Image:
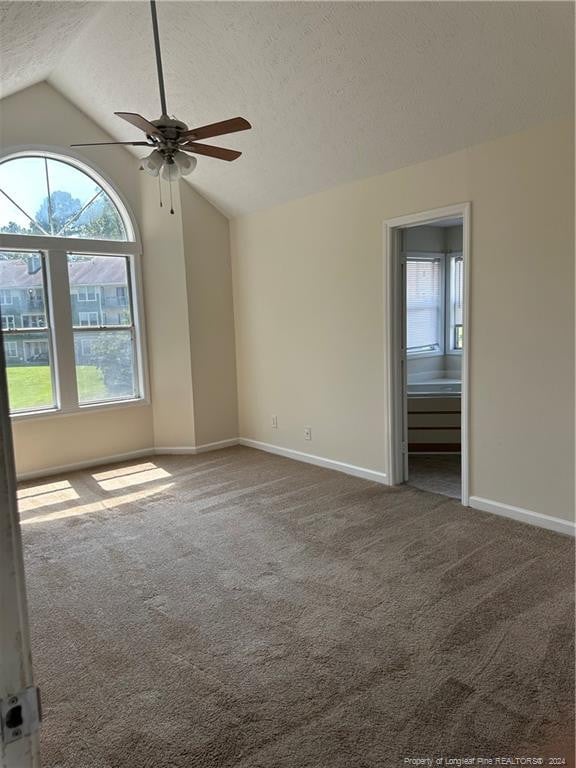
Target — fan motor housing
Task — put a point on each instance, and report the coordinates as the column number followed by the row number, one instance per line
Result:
column 168, row 124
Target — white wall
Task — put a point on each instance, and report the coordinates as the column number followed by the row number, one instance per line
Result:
column 308, row 297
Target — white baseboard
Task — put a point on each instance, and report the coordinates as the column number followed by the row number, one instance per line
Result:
column 524, row 515
column 319, row 461
column 192, row 450
column 477, row 502
column 217, row 446
column 98, row 462
column 116, row 458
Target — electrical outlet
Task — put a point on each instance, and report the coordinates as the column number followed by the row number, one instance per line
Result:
column 307, row 433
column 274, row 422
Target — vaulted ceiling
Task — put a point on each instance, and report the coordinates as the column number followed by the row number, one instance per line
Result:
column 335, row 90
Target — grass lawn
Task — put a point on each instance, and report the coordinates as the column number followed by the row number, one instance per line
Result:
column 31, row 386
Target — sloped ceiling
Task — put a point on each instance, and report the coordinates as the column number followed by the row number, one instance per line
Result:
column 335, row 91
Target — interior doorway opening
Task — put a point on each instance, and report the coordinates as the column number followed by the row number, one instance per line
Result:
column 427, row 271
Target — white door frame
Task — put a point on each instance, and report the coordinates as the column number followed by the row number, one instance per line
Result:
column 15, row 660
column 393, row 340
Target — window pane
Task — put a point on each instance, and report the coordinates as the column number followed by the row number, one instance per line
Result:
column 23, row 308
column 104, row 365
column 99, row 290
column 458, row 337
column 424, row 305
column 44, row 195
column 82, row 207
column 23, row 180
column 28, row 371
column 457, row 289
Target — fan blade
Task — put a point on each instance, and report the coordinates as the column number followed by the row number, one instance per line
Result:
column 221, row 153
column 109, row 143
column 140, row 122
column 217, row 129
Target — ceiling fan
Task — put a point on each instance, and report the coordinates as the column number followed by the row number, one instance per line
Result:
column 171, row 139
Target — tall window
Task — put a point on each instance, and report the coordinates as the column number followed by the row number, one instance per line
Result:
column 27, row 335
column 68, row 302
column 424, row 304
column 104, row 338
column 456, row 302
column 434, row 304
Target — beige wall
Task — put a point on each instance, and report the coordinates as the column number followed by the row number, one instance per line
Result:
column 166, row 303
column 308, row 298
column 188, row 306
column 211, row 318
column 522, row 391
column 58, row 441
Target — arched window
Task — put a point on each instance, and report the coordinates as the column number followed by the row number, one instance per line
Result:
column 69, row 305
column 55, row 197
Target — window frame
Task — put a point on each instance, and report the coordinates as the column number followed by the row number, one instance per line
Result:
column 89, row 324
column 6, row 292
column 79, row 162
column 429, row 256
column 10, row 345
column 55, row 251
column 447, row 320
column 82, row 294
column 451, row 348
column 28, row 342
column 111, row 327
column 33, row 315
column 29, row 332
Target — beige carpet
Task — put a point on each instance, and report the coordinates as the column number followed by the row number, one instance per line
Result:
column 240, row 609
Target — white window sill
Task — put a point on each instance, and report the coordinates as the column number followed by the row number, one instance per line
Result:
column 56, row 413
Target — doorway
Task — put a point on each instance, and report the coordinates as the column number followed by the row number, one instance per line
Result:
column 427, row 275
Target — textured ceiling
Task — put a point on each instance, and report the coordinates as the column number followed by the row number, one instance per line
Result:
column 335, row 91
column 32, row 35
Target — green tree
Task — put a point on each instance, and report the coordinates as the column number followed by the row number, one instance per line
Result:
column 101, row 221
column 112, row 353
column 12, row 256
column 62, row 206
column 14, row 229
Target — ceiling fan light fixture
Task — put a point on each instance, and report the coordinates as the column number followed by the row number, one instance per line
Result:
column 185, row 163
column 153, row 163
column 171, row 139
column 170, row 171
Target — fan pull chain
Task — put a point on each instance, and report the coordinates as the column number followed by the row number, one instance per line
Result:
column 160, row 191
column 171, row 204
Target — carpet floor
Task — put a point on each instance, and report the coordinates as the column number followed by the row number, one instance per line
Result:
column 241, row 609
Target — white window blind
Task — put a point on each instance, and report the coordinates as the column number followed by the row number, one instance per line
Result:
column 424, row 305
